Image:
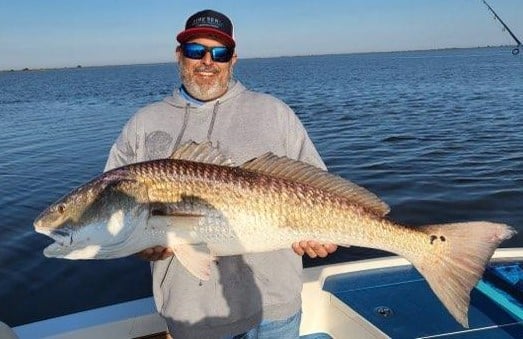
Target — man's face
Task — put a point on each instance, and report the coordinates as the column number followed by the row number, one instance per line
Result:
column 205, row 79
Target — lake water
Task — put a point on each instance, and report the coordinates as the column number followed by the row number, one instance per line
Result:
column 437, row 134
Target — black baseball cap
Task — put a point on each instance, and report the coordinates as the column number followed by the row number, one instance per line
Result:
column 208, row 23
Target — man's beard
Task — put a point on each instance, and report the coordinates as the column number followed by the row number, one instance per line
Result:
column 204, row 89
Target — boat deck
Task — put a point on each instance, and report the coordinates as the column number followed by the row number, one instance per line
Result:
column 399, row 302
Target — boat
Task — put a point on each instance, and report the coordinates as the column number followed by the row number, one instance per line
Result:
column 373, row 298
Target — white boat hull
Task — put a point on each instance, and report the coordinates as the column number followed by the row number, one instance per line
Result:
column 322, row 311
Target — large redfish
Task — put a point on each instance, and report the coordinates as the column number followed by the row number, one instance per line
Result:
column 202, row 206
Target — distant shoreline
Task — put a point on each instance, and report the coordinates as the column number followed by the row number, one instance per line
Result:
column 28, row 69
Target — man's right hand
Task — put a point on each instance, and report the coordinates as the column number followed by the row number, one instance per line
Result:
column 155, row 253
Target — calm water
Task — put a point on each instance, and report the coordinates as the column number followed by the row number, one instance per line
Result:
column 438, row 135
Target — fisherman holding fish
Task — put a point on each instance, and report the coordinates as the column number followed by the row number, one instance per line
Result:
column 216, row 183
column 212, row 106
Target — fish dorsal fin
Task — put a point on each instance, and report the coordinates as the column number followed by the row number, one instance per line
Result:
column 297, row 171
column 204, row 152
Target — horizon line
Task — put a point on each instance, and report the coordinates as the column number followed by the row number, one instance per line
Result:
column 26, row 69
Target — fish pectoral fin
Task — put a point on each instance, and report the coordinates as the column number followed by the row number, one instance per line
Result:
column 181, row 237
column 196, row 259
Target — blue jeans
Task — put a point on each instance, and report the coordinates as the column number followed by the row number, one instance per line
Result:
column 269, row 329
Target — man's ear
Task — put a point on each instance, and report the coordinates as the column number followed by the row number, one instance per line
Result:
column 177, row 53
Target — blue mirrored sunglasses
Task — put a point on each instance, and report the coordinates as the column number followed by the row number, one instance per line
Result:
column 197, row 51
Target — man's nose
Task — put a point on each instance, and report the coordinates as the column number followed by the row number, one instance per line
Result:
column 207, row 59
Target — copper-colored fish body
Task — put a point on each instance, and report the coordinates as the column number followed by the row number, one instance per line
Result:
column 202, row 206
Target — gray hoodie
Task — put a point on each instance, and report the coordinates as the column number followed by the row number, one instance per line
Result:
column 243, row 290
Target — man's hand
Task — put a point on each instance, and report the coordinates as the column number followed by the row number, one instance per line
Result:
column 155, row 253
column 313, row 248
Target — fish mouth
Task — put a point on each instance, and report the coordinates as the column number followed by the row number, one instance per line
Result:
column 60, row 236
column 69, row 245
column 63, row 240
column 63, row 248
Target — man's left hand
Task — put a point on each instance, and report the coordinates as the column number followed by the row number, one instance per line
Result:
column 313, row 248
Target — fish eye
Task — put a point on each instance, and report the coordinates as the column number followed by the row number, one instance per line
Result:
column 61, row 208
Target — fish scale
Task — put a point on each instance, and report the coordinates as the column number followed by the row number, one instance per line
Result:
column 301, row 212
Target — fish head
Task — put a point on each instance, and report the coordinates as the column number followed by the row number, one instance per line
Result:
column 93, row 221
column 70, row 208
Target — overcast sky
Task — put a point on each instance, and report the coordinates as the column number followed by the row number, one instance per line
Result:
column 66, row 33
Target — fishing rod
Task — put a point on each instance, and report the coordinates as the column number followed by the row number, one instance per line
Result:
column 515, row 51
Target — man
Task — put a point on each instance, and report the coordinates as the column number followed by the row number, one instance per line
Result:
column 250, row 296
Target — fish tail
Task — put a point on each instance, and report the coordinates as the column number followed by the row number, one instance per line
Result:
column 456, row 260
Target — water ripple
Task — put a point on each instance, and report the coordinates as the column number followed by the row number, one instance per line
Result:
column 437, row 135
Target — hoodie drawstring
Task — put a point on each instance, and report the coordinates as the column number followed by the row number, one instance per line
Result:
column 211, row 125
column 184, row 126
column 186, row 121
